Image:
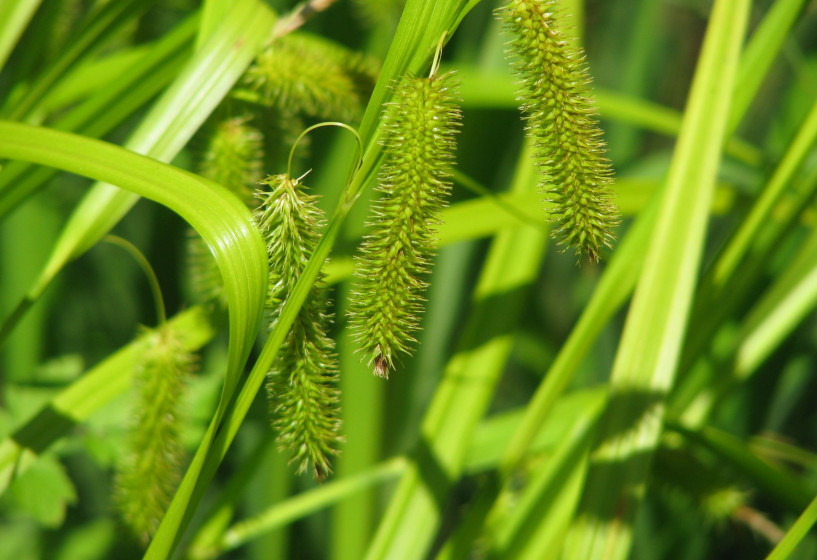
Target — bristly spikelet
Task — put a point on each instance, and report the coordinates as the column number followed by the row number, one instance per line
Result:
column 150, row 473
column 303, row 382
column 304, row 73
column 232, row 157
column 386, row 304
column 562, row 121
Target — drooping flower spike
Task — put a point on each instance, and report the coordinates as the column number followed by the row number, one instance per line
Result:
column 302, row 384
column 151, row 468
column 562, row 122
column 387, row 301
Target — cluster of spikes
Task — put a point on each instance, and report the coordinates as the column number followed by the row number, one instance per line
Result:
column 302, row 384
column 562, row 123
column 420, row 124
column 386, row 303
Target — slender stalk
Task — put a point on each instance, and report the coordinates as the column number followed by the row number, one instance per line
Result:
column 144, row 264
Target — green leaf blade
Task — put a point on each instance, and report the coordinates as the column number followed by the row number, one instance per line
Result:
column 647, row 358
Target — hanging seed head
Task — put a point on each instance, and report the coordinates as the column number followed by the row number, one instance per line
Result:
column 234, row 155
column 562, row 122
column 150, row 472
column 303, row 73
column 302, row 384
column 386, row 303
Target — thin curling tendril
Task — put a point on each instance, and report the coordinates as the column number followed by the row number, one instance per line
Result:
column 322, row 125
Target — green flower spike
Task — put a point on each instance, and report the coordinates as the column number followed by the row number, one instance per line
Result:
column 303, row 382
column 305, row 73
column 232, row 157
column 150, row 473
column 562, row 122
column 386, row 304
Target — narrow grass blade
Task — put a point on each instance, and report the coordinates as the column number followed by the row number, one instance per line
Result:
column 796, row 533
column 760, row 53
column 645, row 366
column 14, row 16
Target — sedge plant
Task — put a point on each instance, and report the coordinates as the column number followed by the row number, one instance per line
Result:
column 539, row 390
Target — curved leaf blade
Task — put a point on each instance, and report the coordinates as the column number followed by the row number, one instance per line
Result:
column 221, row 219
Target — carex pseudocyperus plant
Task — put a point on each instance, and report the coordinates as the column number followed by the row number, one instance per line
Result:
column 682, row 415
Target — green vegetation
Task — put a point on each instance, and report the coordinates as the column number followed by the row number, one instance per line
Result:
column 650, row 401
